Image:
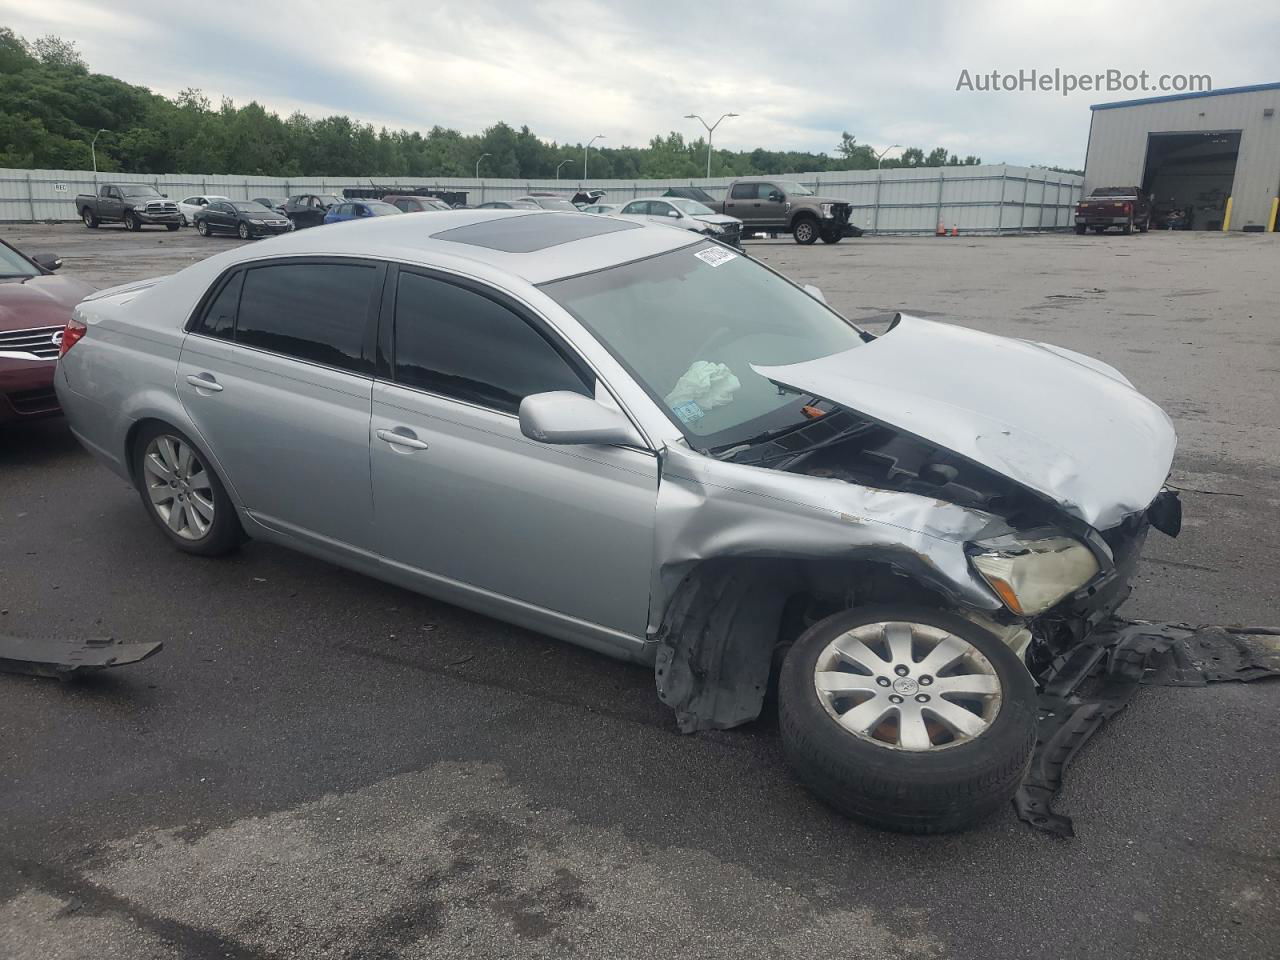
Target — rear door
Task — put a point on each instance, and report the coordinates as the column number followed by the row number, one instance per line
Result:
column 276, row 375
column 464, row 498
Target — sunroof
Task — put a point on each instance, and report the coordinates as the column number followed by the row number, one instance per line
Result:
column 534, row 231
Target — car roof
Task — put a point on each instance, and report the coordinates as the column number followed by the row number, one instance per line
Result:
column 540, row 245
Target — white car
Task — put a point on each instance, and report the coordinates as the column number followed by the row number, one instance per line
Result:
column 193, row 205
column 602, row 208
column 688, row 215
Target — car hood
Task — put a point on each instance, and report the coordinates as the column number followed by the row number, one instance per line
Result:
column 715, row 218
column 1065, row 426
column 42, row 301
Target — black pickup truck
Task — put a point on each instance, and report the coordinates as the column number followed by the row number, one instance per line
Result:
column 1124, row 207
column 133, row 204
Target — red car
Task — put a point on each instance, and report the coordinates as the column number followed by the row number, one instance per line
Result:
column 34, row 307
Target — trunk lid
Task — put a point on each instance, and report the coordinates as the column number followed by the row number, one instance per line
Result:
column 1072, row 430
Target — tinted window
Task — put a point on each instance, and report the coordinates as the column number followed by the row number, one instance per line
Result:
column 219, row 318
column 460, row 344
column 744, row 191
column 312, row 311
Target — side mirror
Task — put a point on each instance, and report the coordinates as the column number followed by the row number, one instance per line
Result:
column 165, row 195
column 570, row 418
column 776, row 196
column 49, row 261
column 814, row 292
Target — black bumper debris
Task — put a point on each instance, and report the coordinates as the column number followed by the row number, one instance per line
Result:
column 44, row 657
column 1119, row 657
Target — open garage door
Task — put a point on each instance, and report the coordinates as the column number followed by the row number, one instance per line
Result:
column 1189, row 176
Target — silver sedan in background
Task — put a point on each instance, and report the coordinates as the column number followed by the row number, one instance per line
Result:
column 644, row 442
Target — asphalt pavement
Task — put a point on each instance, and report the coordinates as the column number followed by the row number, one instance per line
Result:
column 321, row 765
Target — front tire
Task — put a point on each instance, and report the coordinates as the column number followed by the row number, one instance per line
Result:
column 132, row 222
column 90, row 218
column 243, row 231
column 831, row 237
column 181, row 493
column 905, row 718
column 172, row 226
column 202, row 227
column 805, row 231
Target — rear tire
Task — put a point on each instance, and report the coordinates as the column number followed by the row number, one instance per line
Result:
column 1127, row 229
column 1144, row 226
column 830, row 237
column 947, row 781
column 805, row 231
column 1080, row 229
column 172, row 474
column 90, row 218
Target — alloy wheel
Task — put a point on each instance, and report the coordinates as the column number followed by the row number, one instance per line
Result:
column 179, row 486
column 907, row 686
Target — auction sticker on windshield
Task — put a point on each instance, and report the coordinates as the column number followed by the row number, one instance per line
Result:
column 715, row 255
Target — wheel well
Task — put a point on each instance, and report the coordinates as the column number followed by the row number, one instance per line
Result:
column 731, row 621
column 804, row 215
column 131, row 441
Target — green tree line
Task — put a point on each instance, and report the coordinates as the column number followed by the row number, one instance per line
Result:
column 51, row 106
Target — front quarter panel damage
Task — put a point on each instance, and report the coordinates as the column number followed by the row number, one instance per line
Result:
column 735, row 542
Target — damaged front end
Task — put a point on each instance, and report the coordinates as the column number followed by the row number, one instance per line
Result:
column 1034, row 541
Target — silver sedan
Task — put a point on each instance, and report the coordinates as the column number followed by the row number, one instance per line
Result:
column 641, row 441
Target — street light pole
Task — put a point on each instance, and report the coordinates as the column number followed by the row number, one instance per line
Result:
column 711, row 129
column 561, row 164
column 93, row 148
column 478, row 159
column 598, row 136
column 880, row 155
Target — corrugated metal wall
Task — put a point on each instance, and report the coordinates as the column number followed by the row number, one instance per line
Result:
column 1118, row 144
column 985, row 199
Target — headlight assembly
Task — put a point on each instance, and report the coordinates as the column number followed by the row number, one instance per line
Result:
column 828, row 210
column 1030, row 576
column 714, row 228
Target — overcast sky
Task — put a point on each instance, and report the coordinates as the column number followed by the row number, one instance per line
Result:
column 798, row 73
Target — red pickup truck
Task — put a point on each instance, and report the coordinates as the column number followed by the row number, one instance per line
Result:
column 1123, row 207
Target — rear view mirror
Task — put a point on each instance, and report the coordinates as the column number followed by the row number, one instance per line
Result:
column 49, row 261
column 570, row 418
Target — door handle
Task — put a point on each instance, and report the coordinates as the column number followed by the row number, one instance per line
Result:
column 205, row 381
column 398, row 439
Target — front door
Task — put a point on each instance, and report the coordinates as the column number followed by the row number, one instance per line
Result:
column 564, row 533
column 277, row 380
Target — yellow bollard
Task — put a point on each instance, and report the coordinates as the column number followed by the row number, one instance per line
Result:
column 1271, row 222
column 1226, row 218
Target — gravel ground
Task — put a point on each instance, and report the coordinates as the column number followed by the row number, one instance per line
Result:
column 321, row 765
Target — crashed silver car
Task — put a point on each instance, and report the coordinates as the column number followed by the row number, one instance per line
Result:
column 641, row 441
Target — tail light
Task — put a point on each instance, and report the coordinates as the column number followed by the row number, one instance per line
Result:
column 71, row 334
column 1128, row 208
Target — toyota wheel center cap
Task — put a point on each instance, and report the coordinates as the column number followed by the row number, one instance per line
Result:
column 905, row 686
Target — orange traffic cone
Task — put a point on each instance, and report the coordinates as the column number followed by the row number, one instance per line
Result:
column 942, row 230
column 955, row 231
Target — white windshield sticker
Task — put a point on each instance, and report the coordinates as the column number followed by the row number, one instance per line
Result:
column 715, row 255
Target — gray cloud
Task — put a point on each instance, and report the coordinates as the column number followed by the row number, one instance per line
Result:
column 798, row 74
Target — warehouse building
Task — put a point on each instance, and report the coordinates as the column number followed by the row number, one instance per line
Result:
column 1214, row 156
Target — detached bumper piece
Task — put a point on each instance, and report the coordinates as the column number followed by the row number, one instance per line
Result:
column 44, row 657
column 1118, row 658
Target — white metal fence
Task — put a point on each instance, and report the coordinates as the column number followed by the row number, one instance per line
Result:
column 985, row 199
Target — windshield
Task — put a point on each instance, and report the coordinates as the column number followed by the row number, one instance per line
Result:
column 692, row 207
column 328, row 199
column 13, row 264
column 252, row 207
column 141, row 192
column 380, row 209
column 689, row 324
column 795, row 189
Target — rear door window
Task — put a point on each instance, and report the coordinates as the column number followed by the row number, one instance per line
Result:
column 219, row 319
column 312, row 311
column 744, row 191
column 461, row 344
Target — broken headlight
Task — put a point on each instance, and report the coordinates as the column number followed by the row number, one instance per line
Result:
column 1030, row 576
